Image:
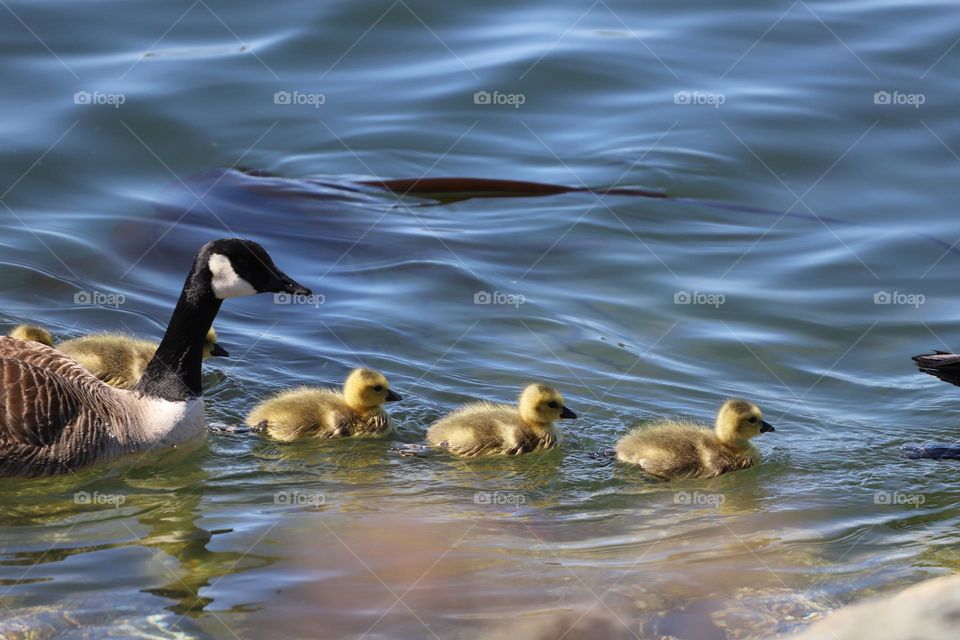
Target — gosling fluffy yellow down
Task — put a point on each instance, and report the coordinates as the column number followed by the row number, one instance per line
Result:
column 484, row 428
column 117, row 359
column 682, row 449
column 30, row 332
column 357, row 411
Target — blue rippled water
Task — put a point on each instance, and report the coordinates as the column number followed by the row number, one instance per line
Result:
column 807, row 250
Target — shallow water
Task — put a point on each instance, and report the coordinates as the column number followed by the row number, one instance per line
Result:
column 246, row 538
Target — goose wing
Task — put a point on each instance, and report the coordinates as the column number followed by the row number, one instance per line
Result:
column 35, row 404
column 48, row 410
column 41, row 356
column 942, row 364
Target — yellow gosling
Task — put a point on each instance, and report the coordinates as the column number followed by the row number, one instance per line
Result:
column 484, row 428
column 30, row 332
column 684, row 449
column 314, row 412
column 120, row 360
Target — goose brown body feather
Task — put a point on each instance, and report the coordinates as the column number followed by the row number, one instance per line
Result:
column 54, row 415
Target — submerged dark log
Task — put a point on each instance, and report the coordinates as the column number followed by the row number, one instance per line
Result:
column 457, row 189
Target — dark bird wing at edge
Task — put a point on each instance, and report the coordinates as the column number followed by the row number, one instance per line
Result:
column 941, row 364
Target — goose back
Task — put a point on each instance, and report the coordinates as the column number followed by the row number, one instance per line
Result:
column 54, row 415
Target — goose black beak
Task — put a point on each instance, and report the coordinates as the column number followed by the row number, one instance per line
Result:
column 766, row 426
column 283, row 283
column 219, row 351
column 393, row 396
column 568, row 414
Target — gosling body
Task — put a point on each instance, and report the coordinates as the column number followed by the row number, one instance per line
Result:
column 120, row 360
column 115, row 358
column 31, row 333
column 484, row 428
column 356, row 411
column 686, row 449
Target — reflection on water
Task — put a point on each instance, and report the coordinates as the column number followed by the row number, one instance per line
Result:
column 142, row 510
column 796, row 201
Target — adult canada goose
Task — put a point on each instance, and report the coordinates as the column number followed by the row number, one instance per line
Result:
column 116, row 358
column 55, row 416
column 484, row 428
column 329, row 413
column 684, row 449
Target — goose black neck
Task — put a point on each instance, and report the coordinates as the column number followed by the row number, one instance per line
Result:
column 174, row 372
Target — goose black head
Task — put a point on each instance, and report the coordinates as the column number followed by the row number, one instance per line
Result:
column 238, row 267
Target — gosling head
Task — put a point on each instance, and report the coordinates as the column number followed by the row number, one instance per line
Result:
column 366, row 390
column 29, row 332
column 739, row 420
column 234, row 267
column 211, row 348
column 542, row 405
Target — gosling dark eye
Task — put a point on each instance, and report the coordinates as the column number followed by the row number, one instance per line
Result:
column 753, row 420
column 553, row 404
column 379, row 388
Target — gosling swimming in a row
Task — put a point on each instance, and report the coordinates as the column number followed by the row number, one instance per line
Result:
column 484, row 428
column 115, row 358
column 357, row 411
column 684, row 449
column 56, row 416
column 666, row 449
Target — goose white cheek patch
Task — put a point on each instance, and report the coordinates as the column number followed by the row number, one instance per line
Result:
column 226, row 283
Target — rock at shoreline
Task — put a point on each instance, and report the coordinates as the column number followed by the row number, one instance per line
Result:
column 926, row 611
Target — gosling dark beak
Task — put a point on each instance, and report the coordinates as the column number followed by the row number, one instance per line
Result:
column 567, row 413
column 393, row 396
column 766, row 426
column 219, row 351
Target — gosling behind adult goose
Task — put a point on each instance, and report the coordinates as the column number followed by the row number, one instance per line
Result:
column 120, row 360
column 683, row 449
column 116, row 358
column 357, row 411
column 30, row 332
column 55, row 416
column 484, row 428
